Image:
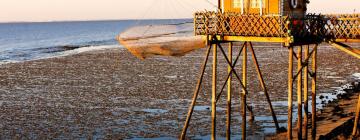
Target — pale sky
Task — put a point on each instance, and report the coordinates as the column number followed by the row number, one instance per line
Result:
column 60, row 10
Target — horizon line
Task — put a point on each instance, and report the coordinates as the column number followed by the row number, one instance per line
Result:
column 94, row 20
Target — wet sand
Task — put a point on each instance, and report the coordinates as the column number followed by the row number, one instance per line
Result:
column 113, row 95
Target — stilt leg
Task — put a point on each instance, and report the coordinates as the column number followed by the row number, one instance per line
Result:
column 290, row 92
column 230, row 73
column 299, row 93
column 356, row 118
column 242, row 84
column 262, row 83
column 313, row 94
column 196, row 92
column 232, row 66
column 228, row 119
column 213, row 95
column 306, row 101
column 244, row 74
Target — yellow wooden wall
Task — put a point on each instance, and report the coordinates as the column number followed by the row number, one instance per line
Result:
column 271, row 7
column 228, row 7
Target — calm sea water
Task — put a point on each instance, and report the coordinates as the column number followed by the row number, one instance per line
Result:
column 29, row 41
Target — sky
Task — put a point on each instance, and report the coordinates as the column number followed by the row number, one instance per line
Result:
column 66, row 10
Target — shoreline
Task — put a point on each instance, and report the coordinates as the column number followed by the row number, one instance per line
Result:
column 69, row 52
column 112, row 94
column 335, row 120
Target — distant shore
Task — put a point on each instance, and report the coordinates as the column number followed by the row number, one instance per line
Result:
column 95, row 20
column 111, row 94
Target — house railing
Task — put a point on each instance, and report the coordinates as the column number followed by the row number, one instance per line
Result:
column 235, row 24
column 318, row 27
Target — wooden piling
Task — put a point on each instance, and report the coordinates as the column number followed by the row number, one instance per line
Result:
column 290, row 92
column 306, row 101
column 219, row 5
column 356, row 118
column 299, row 92
column 196, row 93
column 228, row 119
column 262, row 83
column 237, row 77
column 213, row 95
column 313, row 94
column 244, row 74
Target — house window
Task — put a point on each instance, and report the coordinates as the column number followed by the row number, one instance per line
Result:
column 237, row 3
column 256, row 3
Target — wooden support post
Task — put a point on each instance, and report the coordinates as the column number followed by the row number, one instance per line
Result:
column 228, row 119
column 244, row 74
column 213, row 95
column 262, row 83
column 261, row 7
column 306, row 101
column 299, row 93
column 290, row 92
column 237, row 77
column 242, row 6
column 247, row 4
column 356, row 118
column 313, row 94
column 230, row 73
column 219, row 6
column 196, row 93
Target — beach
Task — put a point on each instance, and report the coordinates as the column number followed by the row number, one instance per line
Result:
column 111, row 94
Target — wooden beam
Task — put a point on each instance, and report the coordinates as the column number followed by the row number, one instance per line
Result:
column 299, row 93
column 219, row 5
column 228, row 118
column 290, row 92
column 249, row 38
column 243, row 102
column 348, row 40
column 262, row 83
column 306, row 101
column 196, row 93
column 213, row 93
column 356, row 118
column 313, row 93
column 345, row 48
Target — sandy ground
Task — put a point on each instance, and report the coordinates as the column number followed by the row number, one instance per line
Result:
column 113, row 95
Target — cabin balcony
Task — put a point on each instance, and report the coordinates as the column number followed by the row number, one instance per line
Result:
column 312, row 28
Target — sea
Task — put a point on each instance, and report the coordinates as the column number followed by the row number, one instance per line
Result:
column 27, row 41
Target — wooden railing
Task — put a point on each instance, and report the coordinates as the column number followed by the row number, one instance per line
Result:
column 234, row 24
column 312, row 27
column 345, row 26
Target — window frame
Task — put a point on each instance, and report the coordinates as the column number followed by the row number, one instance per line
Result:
column 236, row 3
column 256, row 4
